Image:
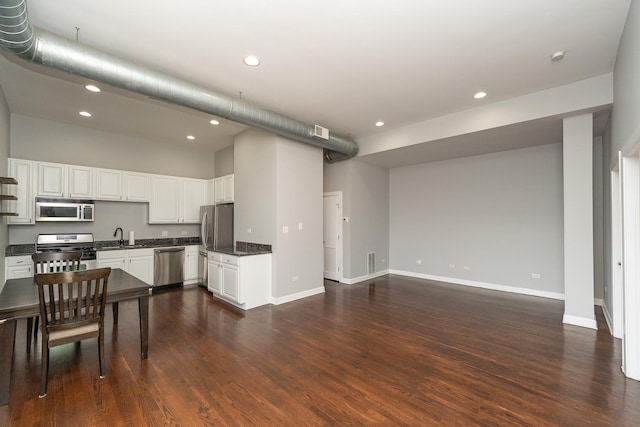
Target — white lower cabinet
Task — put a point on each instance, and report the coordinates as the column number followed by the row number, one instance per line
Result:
column 242, row 281
column 214, row 280
column 137, row 262
column 18, row 267
column 191, row 254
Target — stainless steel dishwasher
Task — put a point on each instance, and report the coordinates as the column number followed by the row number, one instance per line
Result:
column 168, row 266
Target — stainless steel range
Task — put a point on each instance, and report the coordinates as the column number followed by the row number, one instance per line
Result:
column 70, row 242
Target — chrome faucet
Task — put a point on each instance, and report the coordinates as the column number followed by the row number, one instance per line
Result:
column 121, row 241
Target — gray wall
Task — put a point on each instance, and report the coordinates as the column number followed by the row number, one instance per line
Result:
column 598, row 219
column 224, row 161
column 36, row 139
column 299, row 201
column 369, row 220
column 278, row 183
column 255, row 187
column 499, row 214
column 625, row 118
column 365, row 199
column 4, row 154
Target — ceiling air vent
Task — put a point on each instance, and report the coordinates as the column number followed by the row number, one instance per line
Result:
column 321, row 132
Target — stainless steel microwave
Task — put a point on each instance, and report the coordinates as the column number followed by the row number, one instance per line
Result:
column 64, row 209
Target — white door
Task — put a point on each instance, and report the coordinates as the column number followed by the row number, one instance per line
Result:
column 333, row 236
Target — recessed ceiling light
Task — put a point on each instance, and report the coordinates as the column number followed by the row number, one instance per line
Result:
column 379, row 124
column 480, row 95
column 85, row 113
column 214, row 122
column 92, row 88
column 251, row 61
column 191, row 137
column 557, row 56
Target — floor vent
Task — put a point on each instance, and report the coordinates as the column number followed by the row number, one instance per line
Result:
column 371, row 262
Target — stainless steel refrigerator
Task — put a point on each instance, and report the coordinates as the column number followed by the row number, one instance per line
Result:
column 216, row 232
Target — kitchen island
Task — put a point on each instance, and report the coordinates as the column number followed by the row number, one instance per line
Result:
column 241, row 275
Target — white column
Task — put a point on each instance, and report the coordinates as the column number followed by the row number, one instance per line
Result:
column 577, row 162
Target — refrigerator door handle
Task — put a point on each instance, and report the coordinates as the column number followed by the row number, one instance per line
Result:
column 203, row 228
column 215, row 228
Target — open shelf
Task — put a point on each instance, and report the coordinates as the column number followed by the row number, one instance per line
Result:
column 10, row 181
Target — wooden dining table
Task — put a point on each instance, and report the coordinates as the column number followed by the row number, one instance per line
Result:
column 19, row 299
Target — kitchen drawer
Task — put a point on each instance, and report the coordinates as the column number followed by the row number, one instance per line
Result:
column 214, row 256
column 13, row 261
column 230, row 259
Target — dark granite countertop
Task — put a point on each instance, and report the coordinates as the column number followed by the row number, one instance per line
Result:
column 241, row 248
column 244, row 249
column 101, row 245
column 20, row 250
column 235, row 252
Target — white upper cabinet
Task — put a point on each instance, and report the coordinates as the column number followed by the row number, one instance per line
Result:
column 136, row 187
column 193, row 196
column 176, row 200
column 52, row 179
column 24, row 172
column 80, row 182
column 217, row 190
column 120, row 185
column 109, row 184
column 59, row 180
column 227, row 188
column 171, row 199
column 223, row 189
column 163, row 206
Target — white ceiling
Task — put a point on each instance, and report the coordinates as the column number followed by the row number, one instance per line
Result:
column 343, row 64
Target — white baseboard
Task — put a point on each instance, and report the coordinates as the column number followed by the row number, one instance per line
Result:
column 483, row 285
column 598, row 302
column 363, row 278
column 580, row 321
column 299, row 295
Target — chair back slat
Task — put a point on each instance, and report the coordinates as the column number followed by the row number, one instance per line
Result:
column 70, row 299
column 53, row 262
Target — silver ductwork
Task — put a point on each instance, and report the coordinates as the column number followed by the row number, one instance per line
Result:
column 37, row 45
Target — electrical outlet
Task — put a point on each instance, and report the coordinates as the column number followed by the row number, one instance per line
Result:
column 165, row 233
column 535, row 276
column 466, row 267
column 419, row 262
column 285, row 229
column 452, row 266
column 248, row 230
column 299, row 226
column 295, row 278
column 184, row 233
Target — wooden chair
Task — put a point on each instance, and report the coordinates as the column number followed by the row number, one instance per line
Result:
column 50, row 262
column 72, row 309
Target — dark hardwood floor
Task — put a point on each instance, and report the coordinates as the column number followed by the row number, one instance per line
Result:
column 392, row 351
